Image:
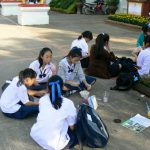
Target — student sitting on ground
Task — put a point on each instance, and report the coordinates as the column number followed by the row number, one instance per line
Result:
column 81, row 42
column 15, row 102
column 72, row 73
column 143, row 60
column 54, row 129
column 102, row 59
column 44, row 68
column 140, row 41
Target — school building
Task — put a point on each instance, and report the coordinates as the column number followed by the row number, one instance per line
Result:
column 136, row 7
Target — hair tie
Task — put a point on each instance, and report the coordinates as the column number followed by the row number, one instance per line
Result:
column 52, row 84
column 103, row 33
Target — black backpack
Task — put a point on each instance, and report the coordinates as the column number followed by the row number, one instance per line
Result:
column 126, row 81
column 90, row 129
column 128, row 65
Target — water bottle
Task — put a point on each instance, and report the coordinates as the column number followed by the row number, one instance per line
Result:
column 105, row 97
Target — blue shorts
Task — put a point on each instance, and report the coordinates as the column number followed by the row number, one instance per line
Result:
column 23, row 112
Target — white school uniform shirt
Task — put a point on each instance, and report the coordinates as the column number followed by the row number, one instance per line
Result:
column 50, row 130
column 81, row 44
column 12, row 95
column 69, row 69
column 39, row 71
column 143, row 61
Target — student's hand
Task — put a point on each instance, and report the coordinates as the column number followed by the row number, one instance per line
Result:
column 37, row 93
column 53, row 69
column 65, row 88
column 36, row 83
column 30, row 103
column 88, row 86
column 43, row 92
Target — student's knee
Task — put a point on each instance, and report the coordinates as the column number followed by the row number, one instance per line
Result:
column 90, row 80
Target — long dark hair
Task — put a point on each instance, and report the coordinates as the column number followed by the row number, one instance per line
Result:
column 41, row 54
column 55, row 84
column 99, row 45
column 147, row 41
column 26, row 73
column 145, row 28
column 75, row 52
column 86, row 34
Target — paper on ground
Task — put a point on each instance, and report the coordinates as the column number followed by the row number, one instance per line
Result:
column 141, row 120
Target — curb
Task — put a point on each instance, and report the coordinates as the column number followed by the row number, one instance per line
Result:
column 142, row 89
column 123, row 24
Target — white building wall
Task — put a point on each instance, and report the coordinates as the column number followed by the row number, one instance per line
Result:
column 122, row 7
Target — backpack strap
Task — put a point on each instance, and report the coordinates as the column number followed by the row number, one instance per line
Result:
column 79, row 140
column 77, row 130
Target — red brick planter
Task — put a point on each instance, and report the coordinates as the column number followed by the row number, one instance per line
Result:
column 33, row 5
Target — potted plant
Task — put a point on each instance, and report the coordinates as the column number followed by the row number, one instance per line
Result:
column 112, row 6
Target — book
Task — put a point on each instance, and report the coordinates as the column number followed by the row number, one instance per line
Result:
column 137, row 123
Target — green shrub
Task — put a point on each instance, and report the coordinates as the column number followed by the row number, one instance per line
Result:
column 53, row 3
column 69, row 10
column 67, row 6
column 67, row 3
column 131, row 19
column 112, row 2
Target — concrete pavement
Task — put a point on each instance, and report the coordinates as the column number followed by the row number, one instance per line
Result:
column 19, row 45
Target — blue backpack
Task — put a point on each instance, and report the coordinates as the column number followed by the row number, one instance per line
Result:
column 90, row 129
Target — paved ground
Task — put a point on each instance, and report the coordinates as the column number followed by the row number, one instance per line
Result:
column 19, row 45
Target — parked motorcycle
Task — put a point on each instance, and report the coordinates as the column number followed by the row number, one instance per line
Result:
column 97, row 7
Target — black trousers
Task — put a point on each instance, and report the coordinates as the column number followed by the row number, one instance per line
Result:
column 73, row 139
column 85, row 62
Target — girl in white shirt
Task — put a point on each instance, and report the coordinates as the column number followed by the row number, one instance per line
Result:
column 143, row 60
column 15, row 102
column 81, row 42
column 140, row 40
column 44, row 68
column 54, row 129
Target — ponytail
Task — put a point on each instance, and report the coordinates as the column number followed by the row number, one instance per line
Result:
column 145, row 28
column 80, row 37
column 147, row 41
column 27, row 73
column 86, row 34
column 55, row 84
column 20, row 82
column 100, row 43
